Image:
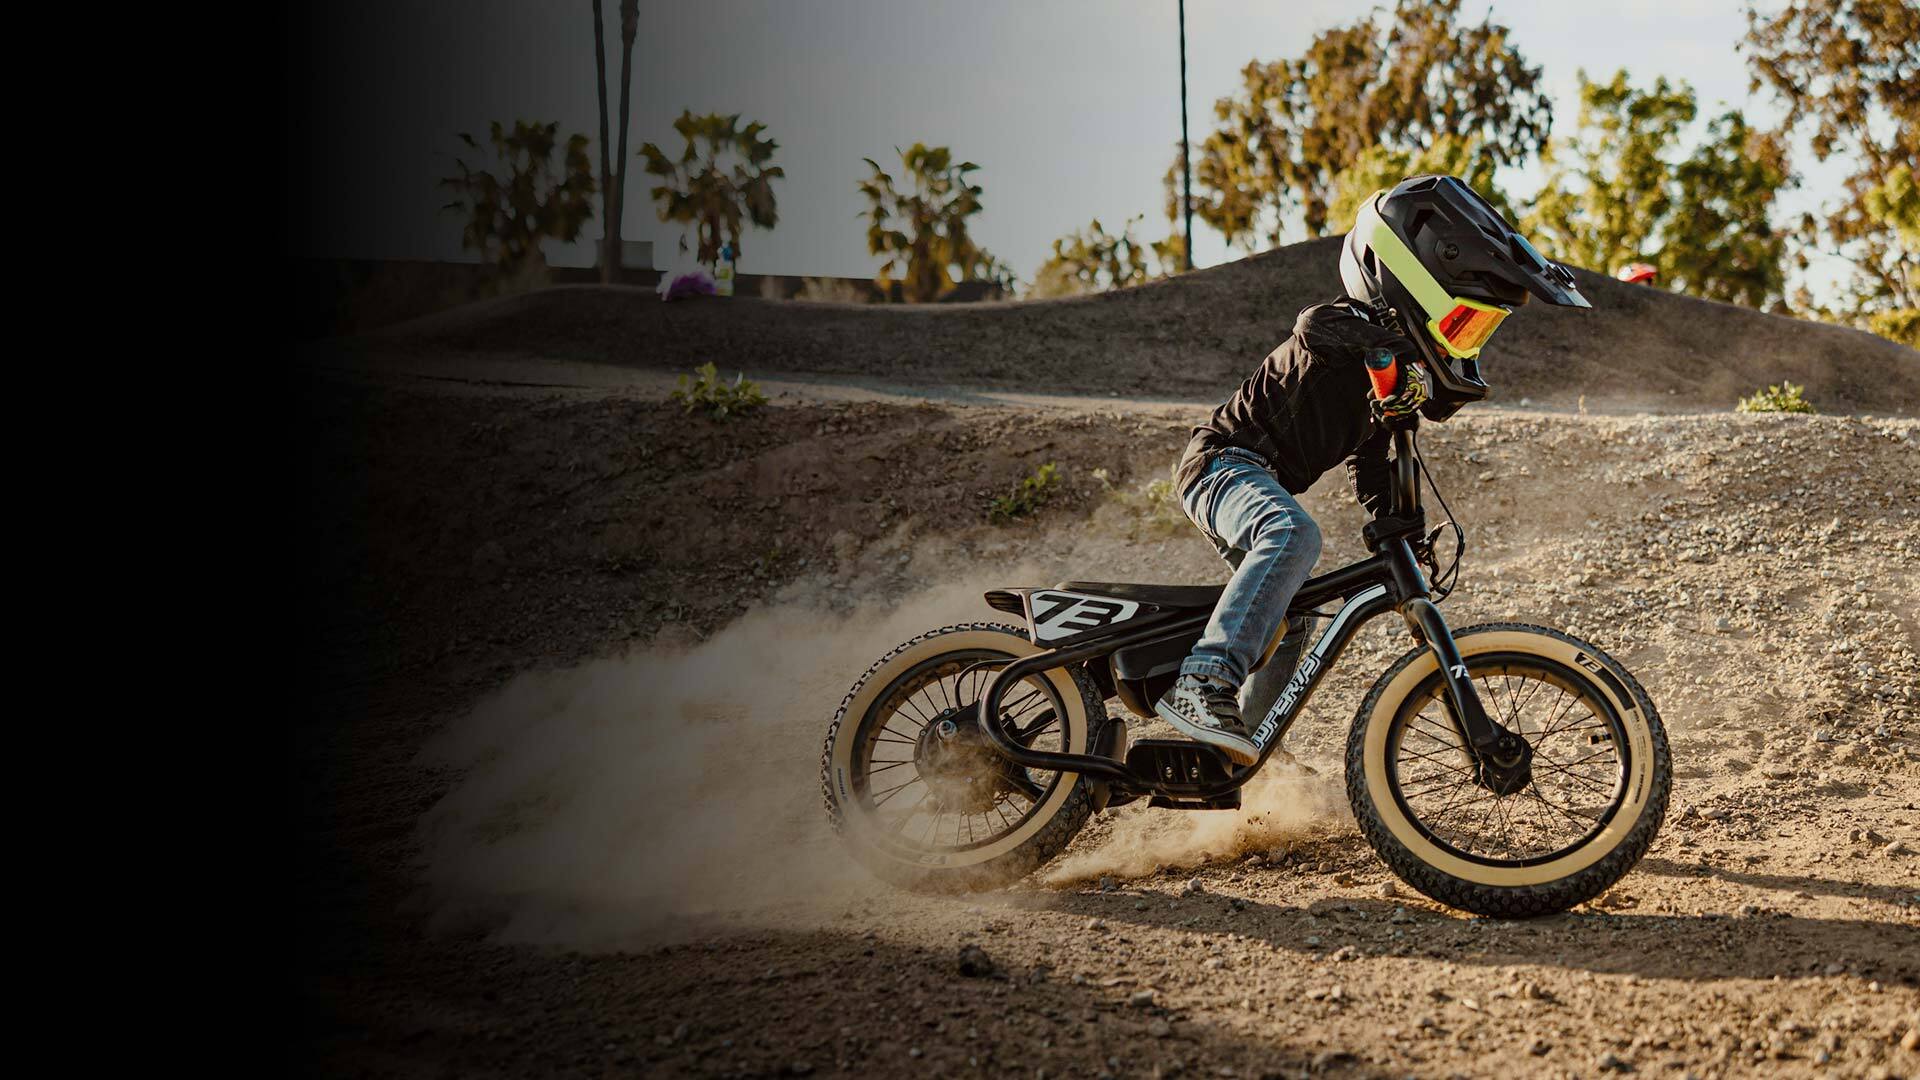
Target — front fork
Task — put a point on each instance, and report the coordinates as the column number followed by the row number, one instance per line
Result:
column 1502, row 760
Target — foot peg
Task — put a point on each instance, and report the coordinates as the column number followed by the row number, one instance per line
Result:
column 1177, row 771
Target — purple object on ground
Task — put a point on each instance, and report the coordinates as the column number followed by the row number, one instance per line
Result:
column 691, row 283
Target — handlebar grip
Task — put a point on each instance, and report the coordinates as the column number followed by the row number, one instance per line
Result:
column 1384, row 373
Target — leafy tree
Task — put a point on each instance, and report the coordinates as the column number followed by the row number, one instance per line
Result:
column 530, row 198
column 1607, row 190
column 1282, row 141
column 1378, row 167
column 1615, row 193
column 1719, row 241
column 1172, row 252
column 1897, row 324
column 723, row 176
column 1848, row 72
column 1091, row 260
column 1896, row 204
column 922, row 230
column 614, row 186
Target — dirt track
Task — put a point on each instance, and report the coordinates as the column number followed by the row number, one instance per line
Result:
column 1193, row 336
column 523, row 860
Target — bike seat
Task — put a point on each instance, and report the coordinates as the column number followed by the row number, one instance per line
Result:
column 1171, row 596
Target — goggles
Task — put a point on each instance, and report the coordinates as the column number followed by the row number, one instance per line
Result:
column 1466, row 326
column 1463, row 325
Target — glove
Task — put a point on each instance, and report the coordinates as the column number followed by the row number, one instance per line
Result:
column 1407, row 398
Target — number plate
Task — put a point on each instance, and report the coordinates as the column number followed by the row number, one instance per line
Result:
column 1053, row 615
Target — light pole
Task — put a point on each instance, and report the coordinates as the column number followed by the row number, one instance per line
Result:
column 1186, row 165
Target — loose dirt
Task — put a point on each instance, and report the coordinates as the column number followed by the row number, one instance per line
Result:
column 571, row 654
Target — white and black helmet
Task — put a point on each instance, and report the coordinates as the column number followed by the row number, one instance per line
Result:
column 1443, row 262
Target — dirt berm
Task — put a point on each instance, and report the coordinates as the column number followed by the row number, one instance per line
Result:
column 1638, row 348
column 568, row 655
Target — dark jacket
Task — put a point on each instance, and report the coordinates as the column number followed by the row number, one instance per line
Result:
column 1305, row 409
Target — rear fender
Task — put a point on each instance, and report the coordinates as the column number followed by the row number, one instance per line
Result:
column 1056, row 617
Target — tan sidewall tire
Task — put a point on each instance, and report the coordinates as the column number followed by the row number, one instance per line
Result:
column 1007, row 857
column 1647, row 782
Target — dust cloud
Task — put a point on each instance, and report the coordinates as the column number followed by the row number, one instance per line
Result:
column 640, row 798
column 629, row 798
column 1284, row 804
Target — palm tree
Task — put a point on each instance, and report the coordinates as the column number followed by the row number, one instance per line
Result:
column 923, row 230
column 723, row 176
column 616, row 212
column 609, row 242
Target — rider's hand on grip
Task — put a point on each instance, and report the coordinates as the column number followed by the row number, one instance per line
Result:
column 1400, row 384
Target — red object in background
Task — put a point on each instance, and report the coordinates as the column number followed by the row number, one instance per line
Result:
column 1638, row 273
column 1384, row 373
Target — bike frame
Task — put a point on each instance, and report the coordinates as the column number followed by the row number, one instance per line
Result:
column 1390, row 580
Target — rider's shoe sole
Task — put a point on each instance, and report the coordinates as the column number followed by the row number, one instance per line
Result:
column 1241, row 751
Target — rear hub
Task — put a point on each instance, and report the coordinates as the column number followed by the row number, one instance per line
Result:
column 958, row 765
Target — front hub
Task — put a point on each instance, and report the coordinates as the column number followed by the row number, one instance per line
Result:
column 1507, row 767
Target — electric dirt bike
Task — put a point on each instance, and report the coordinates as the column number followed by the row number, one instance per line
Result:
column 1506, row 769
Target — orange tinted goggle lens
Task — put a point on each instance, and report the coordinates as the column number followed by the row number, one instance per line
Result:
column 1468, row 328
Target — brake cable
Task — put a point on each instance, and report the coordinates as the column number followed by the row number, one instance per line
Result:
column 1442, row 584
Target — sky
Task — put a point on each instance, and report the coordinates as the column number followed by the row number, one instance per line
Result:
column 1071, row 109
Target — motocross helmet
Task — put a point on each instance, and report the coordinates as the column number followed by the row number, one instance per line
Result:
column 1434, row 256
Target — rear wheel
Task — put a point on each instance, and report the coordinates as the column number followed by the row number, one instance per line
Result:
column 1601, row 774
column 918, row 794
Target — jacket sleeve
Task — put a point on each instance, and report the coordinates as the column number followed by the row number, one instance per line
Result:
column 1371, row 473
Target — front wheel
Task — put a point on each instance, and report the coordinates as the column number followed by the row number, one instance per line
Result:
column 1601, row 774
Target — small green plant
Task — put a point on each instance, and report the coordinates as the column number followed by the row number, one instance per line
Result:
column 1029, row 495
column 1153, row 510
column 714, row 396
column 1785, row 397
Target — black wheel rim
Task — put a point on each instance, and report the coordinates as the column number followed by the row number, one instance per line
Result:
column 887, row 781
column 1581, row 761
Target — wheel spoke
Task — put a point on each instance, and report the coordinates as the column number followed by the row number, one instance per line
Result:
column 1441, row 786
column 881, row 799
column 1450, row 739
column 935, row 809
column 1040, row 723
column 907, row 702
column 1534, row 790
column 1577, row 778
column 1437, row 760
column 1436, row 782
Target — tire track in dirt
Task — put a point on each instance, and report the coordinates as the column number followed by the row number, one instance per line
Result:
column 1770, row 930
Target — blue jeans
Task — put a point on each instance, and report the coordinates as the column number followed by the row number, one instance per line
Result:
column 1272, row 545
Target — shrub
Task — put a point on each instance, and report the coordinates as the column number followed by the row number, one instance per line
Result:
column 1029, row 495
column 1153, row 510
column 717, row 398
column 1897, row 324
column 1782, row 398
column 833, row 291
